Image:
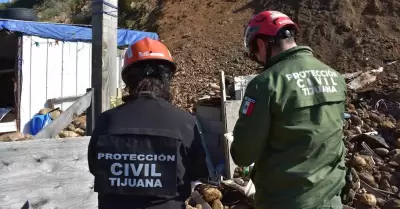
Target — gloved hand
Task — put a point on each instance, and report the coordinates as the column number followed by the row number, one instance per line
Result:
column 246, row 188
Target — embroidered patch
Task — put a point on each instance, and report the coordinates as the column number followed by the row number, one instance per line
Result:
column 248, row 106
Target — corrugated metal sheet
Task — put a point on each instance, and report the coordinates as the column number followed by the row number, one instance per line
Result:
column 52, row 69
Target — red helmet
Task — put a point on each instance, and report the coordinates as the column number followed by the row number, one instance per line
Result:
column 267, row 23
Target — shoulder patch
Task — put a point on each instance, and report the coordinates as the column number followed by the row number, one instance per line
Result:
column 248, row 106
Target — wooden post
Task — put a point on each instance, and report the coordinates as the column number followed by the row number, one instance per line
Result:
column 104, row 53
column 90, row 120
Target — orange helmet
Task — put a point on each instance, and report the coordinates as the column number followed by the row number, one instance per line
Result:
column 146, row 50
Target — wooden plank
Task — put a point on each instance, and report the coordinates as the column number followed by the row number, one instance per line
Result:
column 46, row 173
column 25, row 111
column 104, row 53
column 60, row 100
column 55, row 70
column 8, row 126
column 231, row 165
column 232, row 113
column 69, row 77
column 38, row 79
column 18, row 75
column 65, row 118
column 84, row 63
column 223, row 97
column 225, row 144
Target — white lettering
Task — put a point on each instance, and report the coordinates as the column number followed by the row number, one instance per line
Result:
column 142, row 54
column 141, row 157
column 326, row 81
column 333, row 82
column 153, row 171
column 305, row 91
column 300, row 83
column 140, row 183
column 135, row 157
column 149, row 157
column 170, row 158
column 125, row 156
column 117, row 156
column 276, row 14
column 146, row 170
column 314, row 81
column 129, row 169
column 309, row 82
column 132, row 157
column 319, row 80
column 131, row 182
column 136, row 170
column 158, row 183
column 112, row 181
column 113, row 169
column 162, row 158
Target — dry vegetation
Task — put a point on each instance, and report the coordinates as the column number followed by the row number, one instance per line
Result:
column 133, row 14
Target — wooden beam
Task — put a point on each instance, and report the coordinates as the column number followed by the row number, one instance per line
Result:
column 223, row 97
column 65, row 118
column 104, row 53
column 46, row 173
column 60, row 100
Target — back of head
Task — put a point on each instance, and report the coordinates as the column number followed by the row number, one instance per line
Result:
column 148, row 70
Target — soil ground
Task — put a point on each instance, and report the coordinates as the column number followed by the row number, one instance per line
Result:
column 206, row 37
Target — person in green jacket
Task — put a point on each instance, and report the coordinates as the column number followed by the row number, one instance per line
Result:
column 291, row 121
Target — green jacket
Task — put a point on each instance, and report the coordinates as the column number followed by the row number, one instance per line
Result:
column 291, row 126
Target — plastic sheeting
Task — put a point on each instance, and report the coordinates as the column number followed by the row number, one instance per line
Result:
column 72, row 33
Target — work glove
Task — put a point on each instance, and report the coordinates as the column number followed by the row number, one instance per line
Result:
column 246, row 188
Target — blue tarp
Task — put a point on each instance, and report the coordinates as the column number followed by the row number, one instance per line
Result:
column 64, row 32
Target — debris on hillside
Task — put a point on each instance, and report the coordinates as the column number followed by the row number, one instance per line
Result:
column 15, row 136
column 350, row 36
column 76, row 128
column 207, row 196
column 376, row 164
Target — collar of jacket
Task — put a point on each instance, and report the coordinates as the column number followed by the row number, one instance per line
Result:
column 297, row 50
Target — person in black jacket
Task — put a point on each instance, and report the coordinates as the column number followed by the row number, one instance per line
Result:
column 146, row 152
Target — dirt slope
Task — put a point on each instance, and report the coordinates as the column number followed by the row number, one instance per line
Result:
column 206, row 36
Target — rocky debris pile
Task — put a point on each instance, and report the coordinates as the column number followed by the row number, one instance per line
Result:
column 217, row 197
column 226, row 195
column 76, row 129
column 15, row 136
column 374, row 138
column 206, row 37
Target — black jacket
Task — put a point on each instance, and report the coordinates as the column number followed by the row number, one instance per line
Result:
column 135, row 119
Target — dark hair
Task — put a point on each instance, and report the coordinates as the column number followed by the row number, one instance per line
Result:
column 149, row 79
